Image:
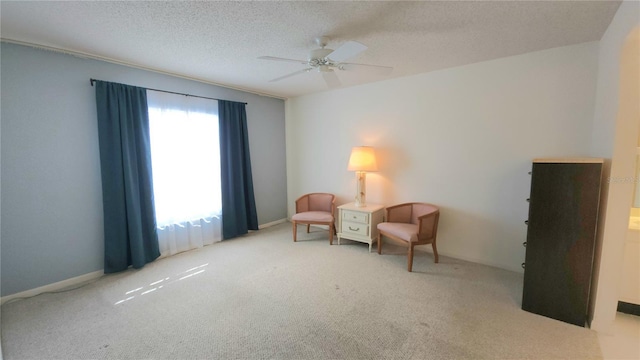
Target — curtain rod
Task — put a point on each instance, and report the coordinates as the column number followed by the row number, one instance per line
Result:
column 91, row 80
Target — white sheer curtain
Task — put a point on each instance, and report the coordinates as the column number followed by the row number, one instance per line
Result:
column 185, row 155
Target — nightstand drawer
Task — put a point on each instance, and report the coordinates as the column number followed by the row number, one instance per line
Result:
column 355, row 216
column 355, row 228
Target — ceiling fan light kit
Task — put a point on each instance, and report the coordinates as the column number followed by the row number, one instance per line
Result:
column 326, row 61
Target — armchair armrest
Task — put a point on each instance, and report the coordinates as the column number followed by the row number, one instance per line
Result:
column 400, row 213
column 302, row 204
column 428, row 225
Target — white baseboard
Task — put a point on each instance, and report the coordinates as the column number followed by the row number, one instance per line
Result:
column 60, row 285
column 269, row 224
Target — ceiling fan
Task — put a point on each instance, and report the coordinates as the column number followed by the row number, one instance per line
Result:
column 326, row 61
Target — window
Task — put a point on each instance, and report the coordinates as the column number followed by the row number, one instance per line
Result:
column 185, row 156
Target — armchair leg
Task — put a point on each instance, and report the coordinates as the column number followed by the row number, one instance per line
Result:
column 410, row 257
column 379, row 243
column 331, row 234
column 294, row 231
column 435, row 252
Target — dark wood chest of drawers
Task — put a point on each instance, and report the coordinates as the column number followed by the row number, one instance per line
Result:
column 563, row 215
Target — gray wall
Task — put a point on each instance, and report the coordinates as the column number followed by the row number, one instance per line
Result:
column 51, row 197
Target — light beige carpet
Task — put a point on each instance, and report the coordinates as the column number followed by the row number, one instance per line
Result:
column 262, row 296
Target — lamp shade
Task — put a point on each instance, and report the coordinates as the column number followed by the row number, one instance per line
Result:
column 363, row 158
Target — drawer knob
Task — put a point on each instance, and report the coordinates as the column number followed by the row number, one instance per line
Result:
column 352, row 229
column 524, row 244
column 523, row 265
column 528, row 200
column 526, row 222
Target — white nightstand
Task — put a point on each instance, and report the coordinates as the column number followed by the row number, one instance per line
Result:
column 359, row 223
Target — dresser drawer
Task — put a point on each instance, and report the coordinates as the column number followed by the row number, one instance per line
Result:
column 355, row 216
column 349, row 227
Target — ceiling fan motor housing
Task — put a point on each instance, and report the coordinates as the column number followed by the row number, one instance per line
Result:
column 319, row 55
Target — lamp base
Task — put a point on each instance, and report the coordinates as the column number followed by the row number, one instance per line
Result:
column 361, row 191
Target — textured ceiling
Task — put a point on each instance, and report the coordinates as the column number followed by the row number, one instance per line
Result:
column 219, row 42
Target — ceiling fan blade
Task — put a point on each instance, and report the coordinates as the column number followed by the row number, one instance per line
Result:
column 292, row 74
column 283, row 59
column 377, row 69
column 331, row 79
column 346, row 51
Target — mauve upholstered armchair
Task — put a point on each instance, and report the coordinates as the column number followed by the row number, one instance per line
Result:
column 315, row 208
column 411, row 224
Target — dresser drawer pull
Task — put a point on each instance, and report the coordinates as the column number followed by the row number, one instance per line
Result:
column 524, row 244
column 528, row 200
column 352, row 229
column 526, row 222
column 523, row 265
